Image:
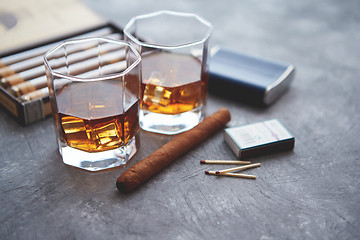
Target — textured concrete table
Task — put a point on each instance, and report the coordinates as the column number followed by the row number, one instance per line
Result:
column 312, row 192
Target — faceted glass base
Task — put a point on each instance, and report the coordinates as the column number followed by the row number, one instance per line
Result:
column 99, row 160
column 170, row 124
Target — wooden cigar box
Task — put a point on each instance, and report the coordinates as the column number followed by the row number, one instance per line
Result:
column 68, row 19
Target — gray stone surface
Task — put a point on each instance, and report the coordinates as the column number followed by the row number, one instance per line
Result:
column 309, row 193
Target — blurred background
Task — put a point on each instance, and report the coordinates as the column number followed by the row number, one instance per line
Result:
column 273, row 28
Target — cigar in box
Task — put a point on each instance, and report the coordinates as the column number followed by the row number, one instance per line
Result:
column 14, row 63
column 23, row 91
column 81, row 63
column 250, row 79
column 260, row 138
column 44, row 92
column 34, row 67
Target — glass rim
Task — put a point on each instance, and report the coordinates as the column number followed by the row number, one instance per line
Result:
column 167, row 12
column 91, row 79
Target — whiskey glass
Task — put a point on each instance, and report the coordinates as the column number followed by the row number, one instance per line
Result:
column 95, row 101
column 174, row 50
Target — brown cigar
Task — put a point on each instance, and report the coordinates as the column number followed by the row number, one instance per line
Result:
column 146, row 168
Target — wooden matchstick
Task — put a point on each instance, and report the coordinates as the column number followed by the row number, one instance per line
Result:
column 238, row 168
column 239, row 175
column 224, row 162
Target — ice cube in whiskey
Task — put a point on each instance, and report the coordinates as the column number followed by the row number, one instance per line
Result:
column 95, row 121
column 173, row 92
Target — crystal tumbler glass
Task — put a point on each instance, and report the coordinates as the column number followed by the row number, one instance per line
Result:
column 174, row 51
column 95, row 101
